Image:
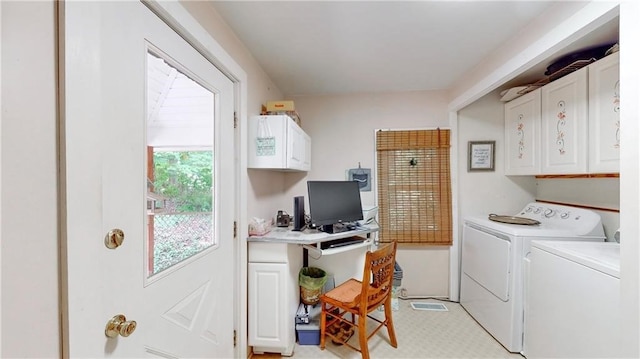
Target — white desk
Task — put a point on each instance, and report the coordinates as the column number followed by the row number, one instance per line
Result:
column 274, row 293
column 311, row 239
column 286, row 235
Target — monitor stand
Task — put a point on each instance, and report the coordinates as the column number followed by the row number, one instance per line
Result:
column 327, row 228
column 335, row 228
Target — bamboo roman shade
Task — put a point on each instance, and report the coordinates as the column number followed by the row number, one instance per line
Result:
column 414, row 186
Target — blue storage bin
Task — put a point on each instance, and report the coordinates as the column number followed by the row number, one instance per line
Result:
column 309, row 334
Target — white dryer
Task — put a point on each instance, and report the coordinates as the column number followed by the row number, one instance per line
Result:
column 572, row 302
column 492, row 276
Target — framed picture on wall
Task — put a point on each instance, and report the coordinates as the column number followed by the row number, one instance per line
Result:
column 481, row 156
column 362, row 176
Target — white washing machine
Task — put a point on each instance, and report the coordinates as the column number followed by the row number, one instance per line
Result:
column 492, row 276
column 572, row 303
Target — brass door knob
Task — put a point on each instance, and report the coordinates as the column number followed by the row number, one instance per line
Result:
column 114, row 238
column 119, row 325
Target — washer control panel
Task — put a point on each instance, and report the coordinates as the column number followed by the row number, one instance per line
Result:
column 555, row 221
column 546, row 212
column 555, row 217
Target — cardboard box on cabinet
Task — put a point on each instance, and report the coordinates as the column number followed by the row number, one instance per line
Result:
column 280, row 106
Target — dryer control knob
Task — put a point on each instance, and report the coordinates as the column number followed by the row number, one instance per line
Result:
column 549, row 213
column 564, row 215
column 538, row 210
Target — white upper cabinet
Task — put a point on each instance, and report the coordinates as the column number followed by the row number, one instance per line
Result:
column 522, row 135
column 604, row 115
column 565, row 128
column 578, row 123
column 276, row 142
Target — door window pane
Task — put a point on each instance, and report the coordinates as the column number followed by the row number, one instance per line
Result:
column 180, row 170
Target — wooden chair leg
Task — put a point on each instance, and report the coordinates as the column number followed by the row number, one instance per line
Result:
column 362, row 336
column 388, row 316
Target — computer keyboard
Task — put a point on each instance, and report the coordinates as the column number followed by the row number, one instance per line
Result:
column 306, row 236
column 341, row 242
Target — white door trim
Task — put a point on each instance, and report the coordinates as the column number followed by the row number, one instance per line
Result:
column 0, row 167
column 179, row 19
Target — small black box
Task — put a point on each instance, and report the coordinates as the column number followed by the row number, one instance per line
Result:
column 298, row 213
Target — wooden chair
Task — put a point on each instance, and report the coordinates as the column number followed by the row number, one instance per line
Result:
column 360, row 298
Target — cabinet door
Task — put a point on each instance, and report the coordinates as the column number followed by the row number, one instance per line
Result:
column 522, row 135
column 565, row 125
column 267, row 142
column 269, row 320
column 307, row 152
column 295, row 146
column 604, row 115
column 276, row 142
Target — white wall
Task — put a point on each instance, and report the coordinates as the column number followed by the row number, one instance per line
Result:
column 342, row 130
column 29, row 203
column 594, row 192
column 265, row 188
column 488, row 192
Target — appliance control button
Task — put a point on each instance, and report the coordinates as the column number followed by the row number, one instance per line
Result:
column 564, row 215
column 537, row 210
column 549, row 213
column 528, row 209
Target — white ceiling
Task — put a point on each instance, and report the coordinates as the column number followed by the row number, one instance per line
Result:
column 328, row 47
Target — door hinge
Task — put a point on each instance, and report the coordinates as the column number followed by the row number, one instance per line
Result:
column 235, row 229
column 235, row 120
column 235, row 338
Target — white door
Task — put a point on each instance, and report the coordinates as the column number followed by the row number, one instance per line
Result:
column 110, row 120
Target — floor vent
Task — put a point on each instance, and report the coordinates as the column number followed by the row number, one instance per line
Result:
column 429, row 306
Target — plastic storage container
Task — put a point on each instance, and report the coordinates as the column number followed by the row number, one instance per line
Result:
column 309, row 334
column 308, row 324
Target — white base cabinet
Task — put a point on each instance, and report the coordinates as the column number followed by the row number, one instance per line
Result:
column 273, row 296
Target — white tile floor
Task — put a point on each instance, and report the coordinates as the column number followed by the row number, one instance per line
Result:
column 422, row 334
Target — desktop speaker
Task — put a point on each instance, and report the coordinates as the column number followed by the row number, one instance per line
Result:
column 298, row 213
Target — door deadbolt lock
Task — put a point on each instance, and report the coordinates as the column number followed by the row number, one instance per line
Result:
column 119, row 325
column 114, row 238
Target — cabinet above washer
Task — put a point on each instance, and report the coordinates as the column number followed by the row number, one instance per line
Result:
column 276, row 142
column 570, row 126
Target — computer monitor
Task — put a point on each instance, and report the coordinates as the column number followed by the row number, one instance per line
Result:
column 332, row 202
